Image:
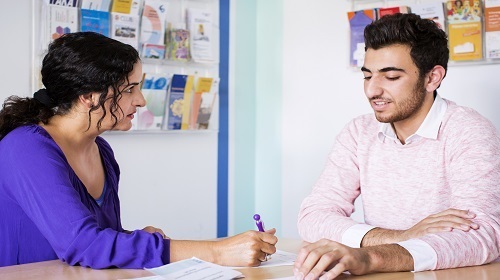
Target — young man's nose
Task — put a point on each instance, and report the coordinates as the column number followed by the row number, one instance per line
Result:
column 373, row 88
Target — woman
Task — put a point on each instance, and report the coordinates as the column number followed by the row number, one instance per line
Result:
column 59, row 178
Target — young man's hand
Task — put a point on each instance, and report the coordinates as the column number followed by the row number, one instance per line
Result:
column 443, row 221
column 333, row 258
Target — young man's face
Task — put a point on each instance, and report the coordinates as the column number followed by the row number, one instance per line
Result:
column 392, row 84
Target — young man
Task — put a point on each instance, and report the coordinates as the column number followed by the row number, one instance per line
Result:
column 428, row 169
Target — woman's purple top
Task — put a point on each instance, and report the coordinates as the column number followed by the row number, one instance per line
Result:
column 46, row 212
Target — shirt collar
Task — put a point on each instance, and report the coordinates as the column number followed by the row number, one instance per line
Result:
column 428, row 129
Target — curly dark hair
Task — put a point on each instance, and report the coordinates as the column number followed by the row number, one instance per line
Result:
column 75, row 64
column 428, row 43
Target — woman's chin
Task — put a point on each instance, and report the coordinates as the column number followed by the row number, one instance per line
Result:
column 122, row 126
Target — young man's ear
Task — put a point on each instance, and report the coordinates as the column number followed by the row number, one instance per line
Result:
column 434, row 78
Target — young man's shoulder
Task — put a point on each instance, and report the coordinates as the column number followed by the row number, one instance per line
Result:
column 361, row 128
column 364, row 123
column 462, row 119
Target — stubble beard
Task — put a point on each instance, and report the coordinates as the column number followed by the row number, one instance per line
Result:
column 407, row 107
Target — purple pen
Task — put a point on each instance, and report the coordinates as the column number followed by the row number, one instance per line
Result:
column 259, row 223
column 260, row 226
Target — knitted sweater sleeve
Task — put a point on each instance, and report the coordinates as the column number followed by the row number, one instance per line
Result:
column 325, row 213
column 473, row 168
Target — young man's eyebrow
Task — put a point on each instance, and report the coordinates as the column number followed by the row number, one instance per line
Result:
column 384, row 70
column 388, row 69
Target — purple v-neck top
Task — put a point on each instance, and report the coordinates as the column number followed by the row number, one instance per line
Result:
column 46, row 212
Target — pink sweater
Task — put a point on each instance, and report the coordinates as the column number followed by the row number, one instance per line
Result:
column 403, row 184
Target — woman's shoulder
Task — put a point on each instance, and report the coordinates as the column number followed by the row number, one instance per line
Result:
column 28, row 146
column 26, row 136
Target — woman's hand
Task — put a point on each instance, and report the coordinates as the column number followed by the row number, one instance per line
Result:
column 245, row 249
column 151, row 229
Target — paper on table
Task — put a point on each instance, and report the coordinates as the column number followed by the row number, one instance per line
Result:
column 279, row 258
column 194, row 269
column 156, row 277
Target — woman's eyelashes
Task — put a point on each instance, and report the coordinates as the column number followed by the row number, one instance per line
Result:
column 128, row 89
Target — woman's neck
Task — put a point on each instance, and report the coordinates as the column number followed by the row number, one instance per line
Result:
column 71, row 132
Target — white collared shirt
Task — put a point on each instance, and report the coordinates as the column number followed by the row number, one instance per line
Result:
column 428, row 129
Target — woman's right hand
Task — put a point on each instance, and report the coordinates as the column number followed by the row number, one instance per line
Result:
column 245, row 249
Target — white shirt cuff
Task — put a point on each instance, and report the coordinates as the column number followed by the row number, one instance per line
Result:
column 424, row 256
column 352, row 236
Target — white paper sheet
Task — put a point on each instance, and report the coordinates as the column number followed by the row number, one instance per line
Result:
column 156, row 277
column 194, row 269
column 279, row 258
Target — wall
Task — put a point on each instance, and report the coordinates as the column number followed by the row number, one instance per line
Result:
column 15, row 50
column 255, row 180
column 242, row 116
column 168, row 181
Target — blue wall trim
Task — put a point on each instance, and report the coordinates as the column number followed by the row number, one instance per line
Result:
column 223, row 144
